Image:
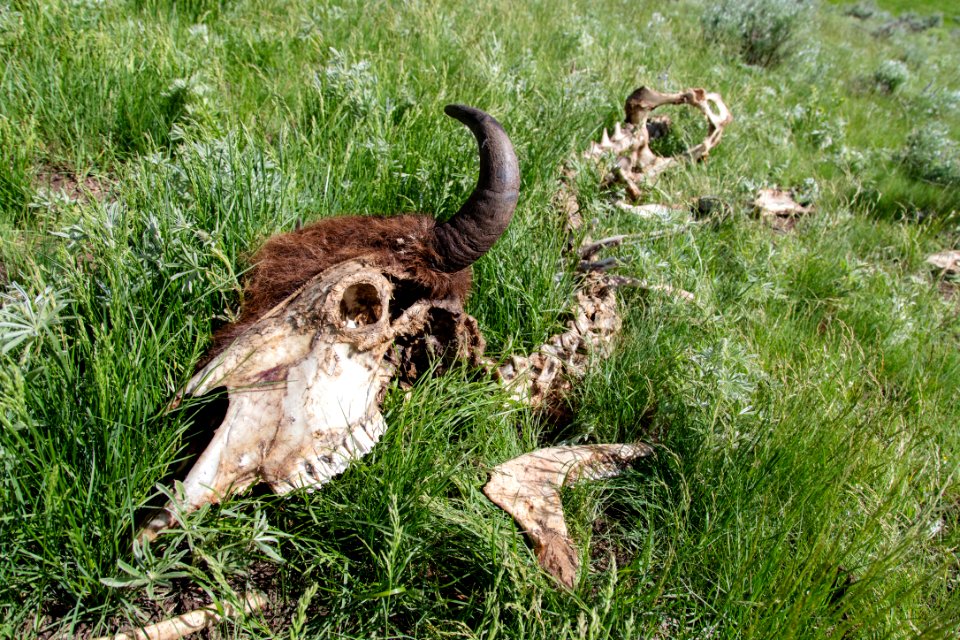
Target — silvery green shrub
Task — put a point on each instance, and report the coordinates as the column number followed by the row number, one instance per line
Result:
column 932, row 155
column 890, row 75
column 861, row 10
column 761, row 30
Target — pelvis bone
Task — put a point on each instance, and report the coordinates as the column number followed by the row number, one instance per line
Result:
column 528, row 488
column 630, row 143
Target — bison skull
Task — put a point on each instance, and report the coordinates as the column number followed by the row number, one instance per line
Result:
column 305, row 377
column 305, row 383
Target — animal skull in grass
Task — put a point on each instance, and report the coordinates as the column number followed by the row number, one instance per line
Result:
column 331, row 313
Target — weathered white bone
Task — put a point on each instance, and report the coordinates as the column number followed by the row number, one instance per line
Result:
column 304, row 386
column 947, row 262
column 190, row 622
column 646, row 211
column 635, row 160
column 528, row 488
column 779, row 208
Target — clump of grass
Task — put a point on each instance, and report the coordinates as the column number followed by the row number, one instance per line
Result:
column 763, row 31
column 890, row 76
column 931, row 155
column 910, row 22
column 27, row 319
column 15, row 170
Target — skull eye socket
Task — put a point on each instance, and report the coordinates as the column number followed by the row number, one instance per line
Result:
column 360, row 306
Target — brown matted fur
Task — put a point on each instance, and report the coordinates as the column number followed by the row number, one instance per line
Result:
column 287, row 261
column 433, row 260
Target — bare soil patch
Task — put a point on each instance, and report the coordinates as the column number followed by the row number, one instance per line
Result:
column 83, row 189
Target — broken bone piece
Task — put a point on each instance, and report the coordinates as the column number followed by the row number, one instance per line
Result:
column 779, row 208
column 305, row 384
column 654, row 211
column 702, row 207
column 190, row 622
column 946, row 262
column 630, row 142
column 528, row 488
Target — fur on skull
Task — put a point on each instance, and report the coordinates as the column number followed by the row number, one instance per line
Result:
column 333, row 312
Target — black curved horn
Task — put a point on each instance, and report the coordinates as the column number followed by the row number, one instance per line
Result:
column 484, row 217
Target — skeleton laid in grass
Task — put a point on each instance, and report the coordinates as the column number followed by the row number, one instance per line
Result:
column 334, row 311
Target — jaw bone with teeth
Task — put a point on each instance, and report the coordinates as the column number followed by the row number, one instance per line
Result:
column 332, row 311
column 630, row 143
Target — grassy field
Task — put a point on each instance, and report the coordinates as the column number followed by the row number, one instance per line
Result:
column 805, row 409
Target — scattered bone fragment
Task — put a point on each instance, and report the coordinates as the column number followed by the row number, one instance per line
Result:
column 946, row 262
column 650, row 211
column 779, row 208
column 191, row 622
column 305, row 383
column 629, row 143
column 527, row 488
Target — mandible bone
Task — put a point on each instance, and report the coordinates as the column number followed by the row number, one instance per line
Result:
column 331, row 312
column 630, row 142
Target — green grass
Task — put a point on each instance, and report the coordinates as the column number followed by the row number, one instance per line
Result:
column 804, row 408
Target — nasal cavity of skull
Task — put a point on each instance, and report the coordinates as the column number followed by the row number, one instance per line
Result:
column 675, row 128
column 406, row 293
column 360, row 305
